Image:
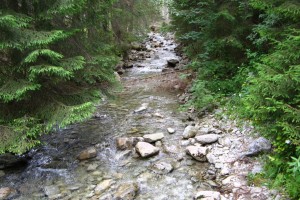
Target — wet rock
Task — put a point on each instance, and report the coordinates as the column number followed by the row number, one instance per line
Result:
column 104, row 185
column 209, row 195
column 126, row 191
column 6, row 192
column 259, row 145
column 189, row 132
column 143, row 107
column 123, row 143
column 121, row 71
column 52, row 192
column 153, row 137
column 140, row 65
column 172, row 62
column 171, row 130
column 128, row 65
column 198, row 153
column 9, row 161
column 207, row 139
column 146, row 150
column 162, row 167
column 87, row 154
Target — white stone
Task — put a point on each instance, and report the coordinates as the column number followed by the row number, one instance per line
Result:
column 146, row 150
column 171, row 130
column 207, row 139
column 189, row 132
column 198, row 153
column 153, row 137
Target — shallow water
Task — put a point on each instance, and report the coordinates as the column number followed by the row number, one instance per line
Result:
column 55, row 163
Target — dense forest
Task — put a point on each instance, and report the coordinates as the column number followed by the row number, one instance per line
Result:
column 247, row 57
column 57, row 59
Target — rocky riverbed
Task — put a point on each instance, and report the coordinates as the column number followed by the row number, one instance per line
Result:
column 141, row 146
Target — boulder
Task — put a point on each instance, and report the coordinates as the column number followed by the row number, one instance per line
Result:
column 198, row 153
column 171, row 130
column 162, row 168
column 87, row 154
column 126, row 191
column 213, row 195
column 189, row 132
column 146, row 150
column 259, row 145
column 207, row 139
column 9, row 160
column 104, row 185
column 172, row 62
column 153, row 137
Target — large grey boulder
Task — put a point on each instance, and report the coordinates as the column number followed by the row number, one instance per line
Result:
column 153, row 137
column 207, row 139
column 259, row 145
column 198, row 153
column 189, row 132
column 146, row 150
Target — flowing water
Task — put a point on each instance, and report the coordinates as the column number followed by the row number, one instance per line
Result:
column 55, row 163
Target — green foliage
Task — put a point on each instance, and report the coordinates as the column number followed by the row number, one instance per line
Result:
column 214, row 36
column 249, row 52
column 56, row 61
